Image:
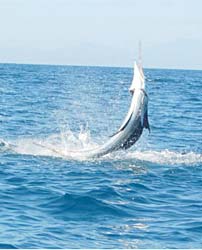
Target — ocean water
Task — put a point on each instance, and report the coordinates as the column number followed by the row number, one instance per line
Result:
column 147, row 197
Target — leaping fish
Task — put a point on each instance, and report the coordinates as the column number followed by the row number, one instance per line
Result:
column 134, row 123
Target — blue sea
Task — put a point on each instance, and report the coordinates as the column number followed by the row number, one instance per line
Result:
column 147, row 197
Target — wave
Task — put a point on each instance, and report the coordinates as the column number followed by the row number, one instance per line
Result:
column 69, row 146
column 7, row 246
column 71, row 205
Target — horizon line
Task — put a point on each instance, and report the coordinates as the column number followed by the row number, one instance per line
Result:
column 104, row 66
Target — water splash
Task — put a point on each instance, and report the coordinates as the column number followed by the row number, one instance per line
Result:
column 69, row 145
column 65, row 144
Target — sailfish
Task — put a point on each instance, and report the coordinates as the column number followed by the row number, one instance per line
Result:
column 133, row 124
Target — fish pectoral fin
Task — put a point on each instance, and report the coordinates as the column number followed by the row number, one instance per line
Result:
column 123, row 127
column 146, row 121
column 115, row 133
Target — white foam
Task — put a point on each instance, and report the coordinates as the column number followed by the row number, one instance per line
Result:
column 167, row 157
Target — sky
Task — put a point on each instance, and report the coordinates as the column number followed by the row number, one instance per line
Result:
column 102, row 32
